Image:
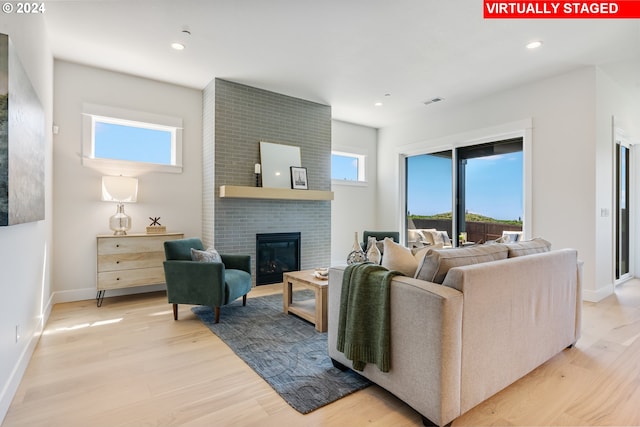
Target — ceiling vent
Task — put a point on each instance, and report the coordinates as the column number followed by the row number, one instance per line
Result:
column 436, row 99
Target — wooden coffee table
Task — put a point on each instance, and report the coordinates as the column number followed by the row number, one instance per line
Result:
column 312, row 310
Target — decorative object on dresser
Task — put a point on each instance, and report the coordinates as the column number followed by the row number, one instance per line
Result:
column 119, row 189
column 131, row 260
column 196, row 276
column 155, row 227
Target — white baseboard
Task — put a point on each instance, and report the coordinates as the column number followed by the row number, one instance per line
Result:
column 11, row 386
column 598, row 294
column 90, row 293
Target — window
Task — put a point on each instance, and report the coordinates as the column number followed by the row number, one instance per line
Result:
column 347, row 167
column 131, row 140
column 623, row 209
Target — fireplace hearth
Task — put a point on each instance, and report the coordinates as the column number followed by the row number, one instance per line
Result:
column 276, row 253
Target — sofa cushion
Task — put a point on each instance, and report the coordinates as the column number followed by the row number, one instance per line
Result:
column 528, row 247
column 210, row 255
column 437, row 262
column 399, row 258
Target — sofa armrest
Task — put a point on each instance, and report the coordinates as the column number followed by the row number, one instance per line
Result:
column 518, row 313
column 237, row 262
column 425, row 344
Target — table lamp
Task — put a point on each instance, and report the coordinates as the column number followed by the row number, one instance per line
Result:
column 119, row 189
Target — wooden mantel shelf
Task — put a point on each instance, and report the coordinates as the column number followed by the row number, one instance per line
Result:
column 239, row 192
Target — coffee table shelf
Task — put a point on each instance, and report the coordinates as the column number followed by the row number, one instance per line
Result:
column 312, row 310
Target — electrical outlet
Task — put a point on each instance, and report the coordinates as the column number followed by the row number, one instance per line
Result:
column 17, row 333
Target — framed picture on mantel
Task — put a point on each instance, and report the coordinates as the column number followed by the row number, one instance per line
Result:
column 299, row 178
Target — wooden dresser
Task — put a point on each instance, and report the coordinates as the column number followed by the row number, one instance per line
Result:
column 130, row 260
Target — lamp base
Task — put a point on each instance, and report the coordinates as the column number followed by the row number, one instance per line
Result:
column 120, row 222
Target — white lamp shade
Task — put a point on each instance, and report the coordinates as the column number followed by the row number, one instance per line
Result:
column 119, row 189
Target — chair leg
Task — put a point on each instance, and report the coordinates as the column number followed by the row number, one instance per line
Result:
column 244, row 299
column 217, row 310
column 175, row 311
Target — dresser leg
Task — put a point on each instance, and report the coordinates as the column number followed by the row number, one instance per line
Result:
column 175, row 311
column 100, row 298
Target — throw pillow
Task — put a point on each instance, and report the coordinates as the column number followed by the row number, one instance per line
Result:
column 210, row 255
column 437, row 262
column 397, row 257
column 528, row 247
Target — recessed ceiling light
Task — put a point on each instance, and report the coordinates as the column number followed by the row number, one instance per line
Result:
column 180, row 44
column 378, row 104
column 534, row 44
column 433, row 100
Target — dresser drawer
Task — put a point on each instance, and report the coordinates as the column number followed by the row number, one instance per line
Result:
column 132, row 244
column 128, row 278
column 128, row 261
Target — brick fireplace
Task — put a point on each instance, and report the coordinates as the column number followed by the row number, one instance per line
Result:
column 236, row 118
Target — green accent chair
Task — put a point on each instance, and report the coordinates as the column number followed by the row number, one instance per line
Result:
column 213, row 284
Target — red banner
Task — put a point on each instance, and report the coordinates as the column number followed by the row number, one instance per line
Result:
column 621, row 9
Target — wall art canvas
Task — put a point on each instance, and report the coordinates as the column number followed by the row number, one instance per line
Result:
column 22, row 142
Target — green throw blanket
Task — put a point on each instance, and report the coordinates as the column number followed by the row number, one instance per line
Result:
column 363, row 328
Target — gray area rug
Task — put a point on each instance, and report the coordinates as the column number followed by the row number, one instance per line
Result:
column 286, row 351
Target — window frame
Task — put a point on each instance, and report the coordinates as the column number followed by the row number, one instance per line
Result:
column 361, row 170
column 92, row 113
column 521, row 128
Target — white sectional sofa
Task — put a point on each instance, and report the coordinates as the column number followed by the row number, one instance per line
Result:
column 455, row 344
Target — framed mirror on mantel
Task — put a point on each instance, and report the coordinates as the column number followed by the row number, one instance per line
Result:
column 277, row 160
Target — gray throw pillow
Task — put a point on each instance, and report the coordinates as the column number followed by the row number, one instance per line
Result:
column 210, row 255
column 437, row 262
column 528, row 247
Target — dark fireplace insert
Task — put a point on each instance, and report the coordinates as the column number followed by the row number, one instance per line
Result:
column 276, row 253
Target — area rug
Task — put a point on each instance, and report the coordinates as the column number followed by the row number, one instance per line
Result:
column 286, row 351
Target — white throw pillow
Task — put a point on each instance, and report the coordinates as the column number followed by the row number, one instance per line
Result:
column 397, row 257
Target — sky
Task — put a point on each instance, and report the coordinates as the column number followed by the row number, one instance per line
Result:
column 114, row 141
column 344, row 167
column 493, row 185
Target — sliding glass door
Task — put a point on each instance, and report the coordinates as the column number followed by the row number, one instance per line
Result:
column 490, row 190
column 475, row 193
column 622, row 241
column 429, row 198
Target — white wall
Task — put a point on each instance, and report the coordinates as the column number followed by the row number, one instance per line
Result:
column 79, row 215
column 563, row 112
column 354, row 206
column 613, row 101
column 25, row 249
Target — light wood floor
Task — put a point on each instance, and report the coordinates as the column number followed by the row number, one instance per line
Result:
column 129, row 364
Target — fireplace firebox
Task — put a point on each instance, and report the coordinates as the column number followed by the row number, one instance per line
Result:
column 276, row 253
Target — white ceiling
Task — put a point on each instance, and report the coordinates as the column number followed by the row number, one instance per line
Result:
column 345, row 53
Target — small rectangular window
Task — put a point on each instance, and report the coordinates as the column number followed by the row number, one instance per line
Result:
column 132, row 140
column 347, row 167
column 135, row 143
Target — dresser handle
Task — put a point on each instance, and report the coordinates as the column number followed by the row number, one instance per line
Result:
column 117, row 246
column 117, row 278
column 117, row 262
